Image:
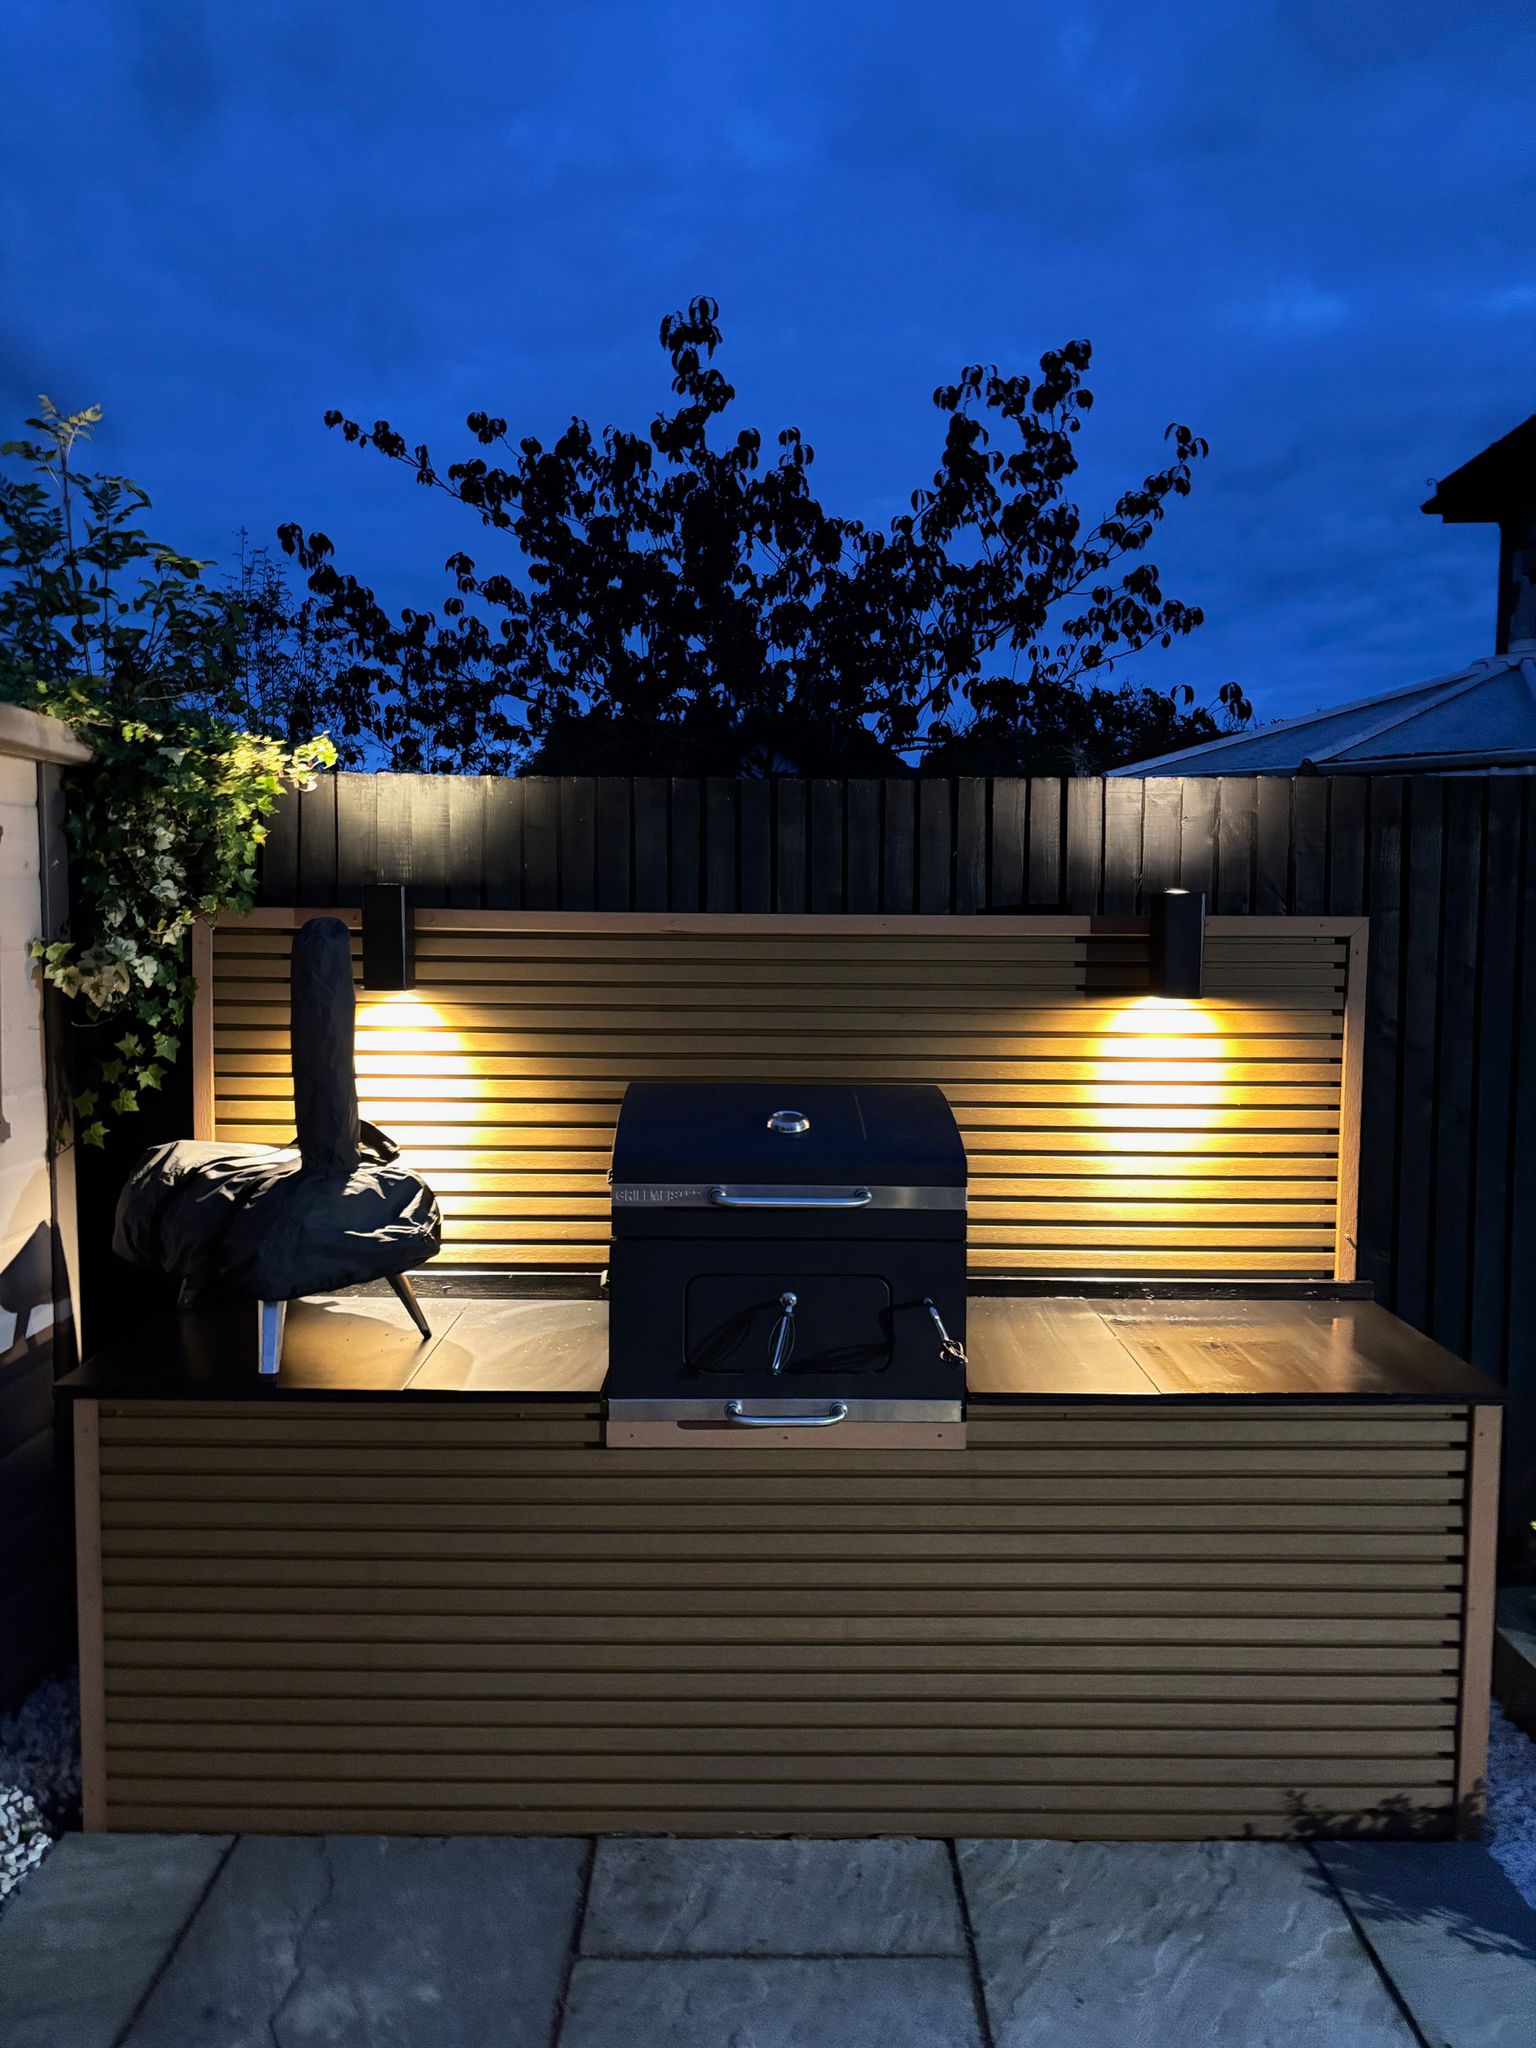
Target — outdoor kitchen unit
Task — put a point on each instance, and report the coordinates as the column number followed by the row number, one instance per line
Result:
column 788, row 1268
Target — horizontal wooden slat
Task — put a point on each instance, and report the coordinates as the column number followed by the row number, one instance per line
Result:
column 503, row 1069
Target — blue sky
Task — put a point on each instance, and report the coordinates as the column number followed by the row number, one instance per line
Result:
column 1308, row 229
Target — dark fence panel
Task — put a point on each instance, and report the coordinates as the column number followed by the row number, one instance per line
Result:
column 1444, row 867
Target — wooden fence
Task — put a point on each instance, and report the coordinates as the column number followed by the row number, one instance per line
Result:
column 1444, row 867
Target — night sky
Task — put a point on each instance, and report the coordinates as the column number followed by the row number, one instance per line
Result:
column 1307, row 229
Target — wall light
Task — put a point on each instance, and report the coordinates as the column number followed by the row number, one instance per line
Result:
column 1178, row 943
column 388, row 956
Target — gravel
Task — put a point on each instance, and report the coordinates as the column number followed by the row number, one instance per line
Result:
column 1512, row 1804
column 39, row 1777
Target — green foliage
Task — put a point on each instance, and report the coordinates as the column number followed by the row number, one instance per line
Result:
column 680, row 597
column 120, row 636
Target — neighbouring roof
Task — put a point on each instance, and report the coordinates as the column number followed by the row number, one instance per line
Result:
column 1492, row 483
column 1481, row 718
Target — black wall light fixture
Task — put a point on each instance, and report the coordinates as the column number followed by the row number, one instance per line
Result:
column 1178, row 944
column 388, row 955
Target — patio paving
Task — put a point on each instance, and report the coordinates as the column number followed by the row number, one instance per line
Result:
column 124, row 1941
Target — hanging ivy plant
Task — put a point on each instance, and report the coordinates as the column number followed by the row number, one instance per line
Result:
column 120, row 636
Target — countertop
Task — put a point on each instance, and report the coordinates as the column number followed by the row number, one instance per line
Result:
column 1042, row 1349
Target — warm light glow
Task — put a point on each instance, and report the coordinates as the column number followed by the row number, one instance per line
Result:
column 1161, row 1066
column 404, row 1046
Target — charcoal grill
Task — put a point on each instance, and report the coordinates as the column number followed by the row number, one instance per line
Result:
column 787, row 1268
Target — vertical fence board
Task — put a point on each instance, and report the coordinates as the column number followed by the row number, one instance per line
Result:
column 1420, row 1016
column 466, row 842
column 1162, row 808
column 1347, row 845
column 1123, row 805
column 541, row 843
column 721, row 887
column 357, row 835
column 1006, row 887
column 280, row 853
column 1045, row 828
column 1084, row 844
column 504, row 844
column 1272, row 845
column 1309, row 845
column 861, row 852
column 1197, row 838
column 898, row 866
column 1379, row 1091
column 756, row 847
column 1497, row 961
column 612, row 811
column 970, row 845
column 1236, row 824
column 1456, row 1052
column 935, row 866
column 1520, row 1354
column 317, row 842
column 653, row 869
column 687, row 842
column 826, row 880
column 790, row 877
column 578, row 842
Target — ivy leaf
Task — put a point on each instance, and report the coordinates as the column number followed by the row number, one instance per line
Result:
column 125, row 1102
column 166, row 1047
column 94, row 1134
column 85, row 1102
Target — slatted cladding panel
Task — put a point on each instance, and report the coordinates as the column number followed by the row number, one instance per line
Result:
column 1095, row 1621
column 1105, row 1132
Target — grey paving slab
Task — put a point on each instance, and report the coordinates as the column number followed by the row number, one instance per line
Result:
column 1136, row 1945
column 358, row 1941
column 653, row 1897
column 81, row 1940
column 813, row 2002
column 1452, row 1932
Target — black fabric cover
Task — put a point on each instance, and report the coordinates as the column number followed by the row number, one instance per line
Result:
column 331, row 1211
column 322, row 1014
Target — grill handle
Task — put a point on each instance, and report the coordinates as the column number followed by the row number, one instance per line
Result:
column 838, row 1412
column 790, row 1198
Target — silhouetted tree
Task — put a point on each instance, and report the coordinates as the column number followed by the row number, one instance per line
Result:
column 675, row 600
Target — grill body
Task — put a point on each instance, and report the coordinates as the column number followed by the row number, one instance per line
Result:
column 788, row 1265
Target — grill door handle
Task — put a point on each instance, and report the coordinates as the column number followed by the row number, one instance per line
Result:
column 838, row 1412
column 790, row 1198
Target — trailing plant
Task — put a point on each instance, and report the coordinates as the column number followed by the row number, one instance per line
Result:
column 119, row 635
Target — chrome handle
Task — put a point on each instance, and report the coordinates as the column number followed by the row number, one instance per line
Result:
column 838, row 1412
column 790, row 1198
column 784, row 1334
column 949, row 1347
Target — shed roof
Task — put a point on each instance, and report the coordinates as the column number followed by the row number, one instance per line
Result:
column 1481, row 718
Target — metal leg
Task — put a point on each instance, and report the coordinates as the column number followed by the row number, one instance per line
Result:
column 406, row 1295
column 273, row 1315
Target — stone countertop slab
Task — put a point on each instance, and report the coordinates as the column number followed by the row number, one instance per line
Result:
column 82, row 1939
column 1452, row 1933
column 811, row 2002
column 1139, row 1945
column 358, row 1941
column 651, row 1896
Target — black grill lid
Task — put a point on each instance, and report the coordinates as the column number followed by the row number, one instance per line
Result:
column 679, row 1133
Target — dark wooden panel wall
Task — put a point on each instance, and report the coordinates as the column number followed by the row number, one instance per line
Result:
column 1445, row 867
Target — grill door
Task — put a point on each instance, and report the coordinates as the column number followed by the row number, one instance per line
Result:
column 737, row 1323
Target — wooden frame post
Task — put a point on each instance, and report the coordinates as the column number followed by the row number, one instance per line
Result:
column 88, row 1604
column 1346, row 1229
column 1477, row 1619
